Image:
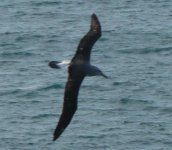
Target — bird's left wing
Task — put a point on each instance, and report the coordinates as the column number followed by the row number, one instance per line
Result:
column 70, row 102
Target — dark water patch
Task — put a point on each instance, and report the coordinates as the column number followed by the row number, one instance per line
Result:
column 35, row 101
column 26, row 37
column 158, row 50
column 28, row 94
column 167, row 110
column 39, row 116
column 6, row 33
column 136, row 104
column 150, row 124
column 11, row 92
column 52, row 86
column 4, row 45
column 118, row 83
column 17, row 54
column 44, row 15
column 13, row 102
column 6, row 63
column 158, row 126
column 20, row 93
column 23, row 70
column 128, row 122
column 9, row 48
column 100, row 136
column 51, row 40
column 151, row 108
column 134, row 101
column 146, row 50
column 20, row 14
column 45, row 3
column 13, row 4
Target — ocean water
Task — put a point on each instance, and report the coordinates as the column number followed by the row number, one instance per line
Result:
column 130, row 111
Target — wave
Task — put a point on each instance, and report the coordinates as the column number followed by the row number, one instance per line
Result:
column 117, row 83
column 45, row 3
column 146, row 50
column 52, row 86
column 13, row 54
column 10, row 33
column 167, row 110
column 38, row 116
column 27, row 36
column 32, row 91
column 134, row 101
column 10, row 92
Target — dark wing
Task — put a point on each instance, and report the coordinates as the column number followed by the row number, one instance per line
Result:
column 70, row 102
column 87, row 42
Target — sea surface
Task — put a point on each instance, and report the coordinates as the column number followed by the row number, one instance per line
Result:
column 132, row 110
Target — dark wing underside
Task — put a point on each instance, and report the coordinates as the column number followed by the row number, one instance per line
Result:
column 87, row 42
column 70, row 103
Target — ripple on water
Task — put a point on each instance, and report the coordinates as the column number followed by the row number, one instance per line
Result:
column 147, row 50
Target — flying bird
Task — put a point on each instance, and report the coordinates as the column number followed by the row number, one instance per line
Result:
column 78, row 68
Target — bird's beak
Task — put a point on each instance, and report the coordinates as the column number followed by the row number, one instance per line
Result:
column 105, row 76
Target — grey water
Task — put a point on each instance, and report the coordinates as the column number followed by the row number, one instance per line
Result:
column 130, row 111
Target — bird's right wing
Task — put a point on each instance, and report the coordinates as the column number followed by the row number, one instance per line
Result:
column 87, row 42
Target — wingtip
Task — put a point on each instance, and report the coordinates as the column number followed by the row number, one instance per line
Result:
column 57, row 133
column 54, row 138
column 95, row 24
column 94, row 16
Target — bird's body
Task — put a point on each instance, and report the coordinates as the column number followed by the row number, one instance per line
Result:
column 78, row 68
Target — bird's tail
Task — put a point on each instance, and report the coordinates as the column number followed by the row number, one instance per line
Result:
column 58, row 64
column 54, row 64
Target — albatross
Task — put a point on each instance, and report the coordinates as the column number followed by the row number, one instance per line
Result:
column 78, row 68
